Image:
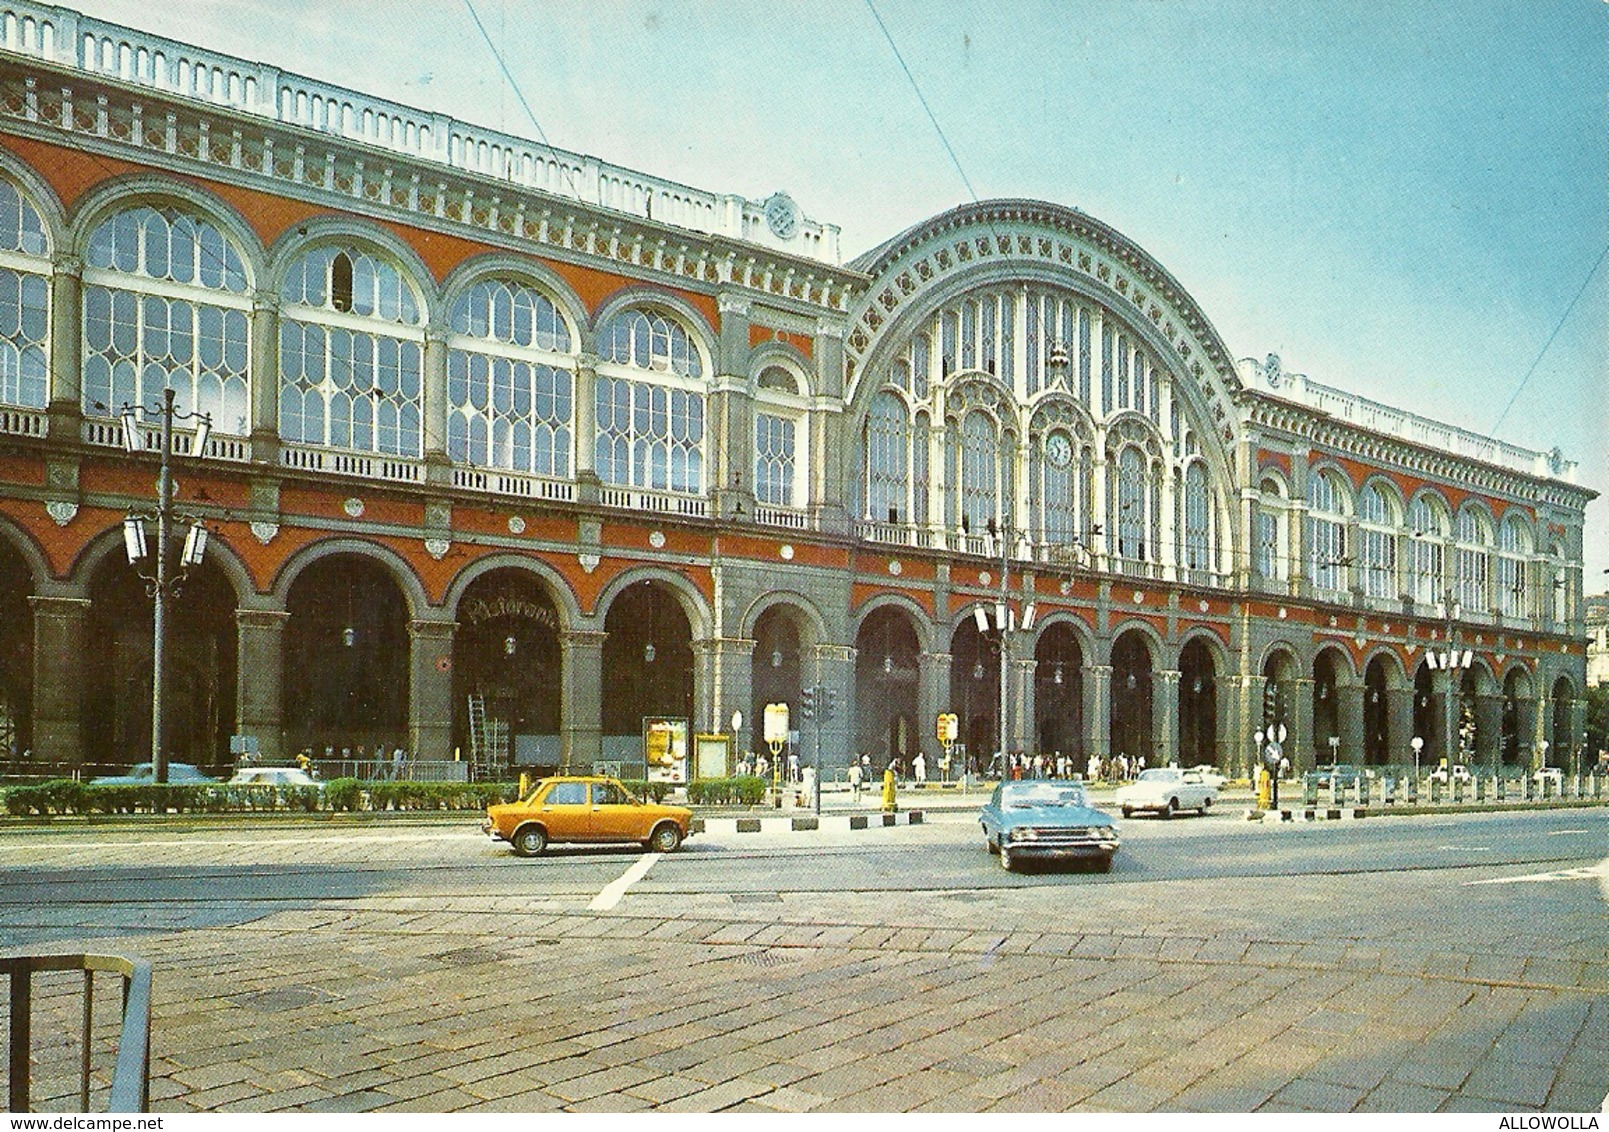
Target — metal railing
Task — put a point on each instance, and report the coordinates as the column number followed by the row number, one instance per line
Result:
column 131, row 1075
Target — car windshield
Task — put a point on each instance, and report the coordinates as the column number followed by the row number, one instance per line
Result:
column 1042, row 794
column 1160, row 774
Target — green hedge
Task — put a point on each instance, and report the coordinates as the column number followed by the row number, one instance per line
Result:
column 649, row 791
column 744, row 790
column 68, row 796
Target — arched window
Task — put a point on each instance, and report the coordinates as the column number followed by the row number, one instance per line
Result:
column 1271, row 531
column 1377, row 542
column 650, row 427
column 1326, row 532
column 1513, row 549
column 1199, row 552
column 1429, row 527
column 510, row 380
column 351, row 354
column 1473, row 559
column 165, row 306
column 646, row 339
column 886, row 443
column 1132, row 505
column 979, row 472
column 24, row 303
column 779, row 420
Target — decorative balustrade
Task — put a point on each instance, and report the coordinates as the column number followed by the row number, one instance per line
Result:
column 495, row 482
column 783, row 517
column 22, row 422
column 98, row 47
column 655, row 503
column 394, row 469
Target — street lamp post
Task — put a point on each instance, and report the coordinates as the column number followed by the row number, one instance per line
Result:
column 1450, row 661
column 1418, row 745
column 162, row 585
column 1004, row 535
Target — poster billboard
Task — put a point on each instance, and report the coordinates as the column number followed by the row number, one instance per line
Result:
column 664, row 744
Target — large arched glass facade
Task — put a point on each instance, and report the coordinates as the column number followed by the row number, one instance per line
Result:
column 24, row 303
column 166, row 305
column 510, row 380
column 351, row 353
column 649, row 404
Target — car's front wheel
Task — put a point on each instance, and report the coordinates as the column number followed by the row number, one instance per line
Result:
column 1173, row 808
column 1128, row 811
column 529, row 840
column 665, row 839
column 1206, row 804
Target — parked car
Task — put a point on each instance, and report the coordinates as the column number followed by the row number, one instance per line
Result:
column 1209, row 774
column 1340, row 774
column 1166, row 790
column 144, row 774
column 591, row 809
column 1460, row 773
column 269, row 776
column 1046, row 820
column 1551, row 775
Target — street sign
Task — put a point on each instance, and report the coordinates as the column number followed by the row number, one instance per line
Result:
column 949, row 727
column 776, row 723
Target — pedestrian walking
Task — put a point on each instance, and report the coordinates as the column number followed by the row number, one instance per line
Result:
column 793, row 767
column 856, row 780
column 919, row 765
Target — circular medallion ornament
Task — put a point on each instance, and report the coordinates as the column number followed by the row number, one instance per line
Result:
column 895, row 568
column 353, row 507
column 1058, row 449
column 1205, row 605
column 1066, row 588
column 1139, row 598
column 516, row 525
column 786, row 551
column 1282, row 613
column 656, row 539
column 985, row 578
column 782, row 216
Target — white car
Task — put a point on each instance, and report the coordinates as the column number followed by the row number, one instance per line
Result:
column 1209, row 775
column 274, row 776
column 1460, row 774
column 1551, row 775
column 1166, row 791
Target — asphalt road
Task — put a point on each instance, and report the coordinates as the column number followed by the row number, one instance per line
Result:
column 1405, row 963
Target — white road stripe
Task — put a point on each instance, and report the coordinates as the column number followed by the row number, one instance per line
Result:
column 1562, row 832
column 1465, row 848
column 1601, row 869
column 612, row 893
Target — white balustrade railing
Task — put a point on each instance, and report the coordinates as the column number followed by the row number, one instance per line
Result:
column 396, row 469
column 98, row 47
column 655, row 503
column 783, row 517
column 22, row 422
column 495, row 482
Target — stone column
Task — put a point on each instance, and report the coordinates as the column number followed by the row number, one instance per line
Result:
column 264, row 378
column 258, row 692
column 1349, row 722
column 1489, row 731
column 1399, row 725
column 1239, row 725
column 438, row 467
column 66, row 360
column 1531, row 728
column 1440, row 746
column 1020, row 720
column 933, row 697
column 1299, row 740
column 1165, row 718
column 60, row 644
column 1098, row 709
column 581, row 702
column 586, row 428
column 430, row 687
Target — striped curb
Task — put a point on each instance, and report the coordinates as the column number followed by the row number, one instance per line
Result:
column 807, row 823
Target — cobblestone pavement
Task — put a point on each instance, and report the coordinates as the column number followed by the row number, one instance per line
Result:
column 1271, row 995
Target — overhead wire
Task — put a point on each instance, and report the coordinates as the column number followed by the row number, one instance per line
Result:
column 1543, row 352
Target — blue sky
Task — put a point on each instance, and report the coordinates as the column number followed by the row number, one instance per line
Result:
column 1401, row 199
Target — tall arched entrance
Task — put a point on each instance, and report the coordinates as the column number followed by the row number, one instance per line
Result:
column 1427, row 725
column 1059, row 692
column 648, row 668
column 1198, row 705
column 507, row 661
column 886, row 681
column 778, row 671
column 199, row 682
column 16, row 658
column 1376, row 714
column 346, row 660
column 1561, row 741
column 1280, row 672
column 975, row 689
column 1327, row 675
column 1132, row 726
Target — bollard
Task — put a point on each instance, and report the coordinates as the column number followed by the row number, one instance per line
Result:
column 1500, row 787
column 1363, row 791
column 1458, row 790
column 1435, row 791
column 890, row 805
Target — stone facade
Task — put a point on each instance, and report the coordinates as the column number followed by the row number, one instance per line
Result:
column 574, row 453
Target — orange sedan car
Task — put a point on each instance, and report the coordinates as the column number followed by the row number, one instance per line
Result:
column 597, row 809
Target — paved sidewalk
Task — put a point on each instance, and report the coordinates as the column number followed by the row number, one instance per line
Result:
column 1277, row 997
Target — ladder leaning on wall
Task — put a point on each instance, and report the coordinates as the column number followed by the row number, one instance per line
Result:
column 488, row 743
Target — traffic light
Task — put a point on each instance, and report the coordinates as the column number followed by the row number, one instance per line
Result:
column 807, row 703
column 829, row 700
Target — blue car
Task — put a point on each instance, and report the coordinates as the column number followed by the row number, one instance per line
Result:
column 1046, row 821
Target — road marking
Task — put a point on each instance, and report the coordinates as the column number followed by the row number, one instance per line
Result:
column 1562, row 832
column 333, row 839
column 1601, row 869
column 1465, row 848
column 612, row 892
